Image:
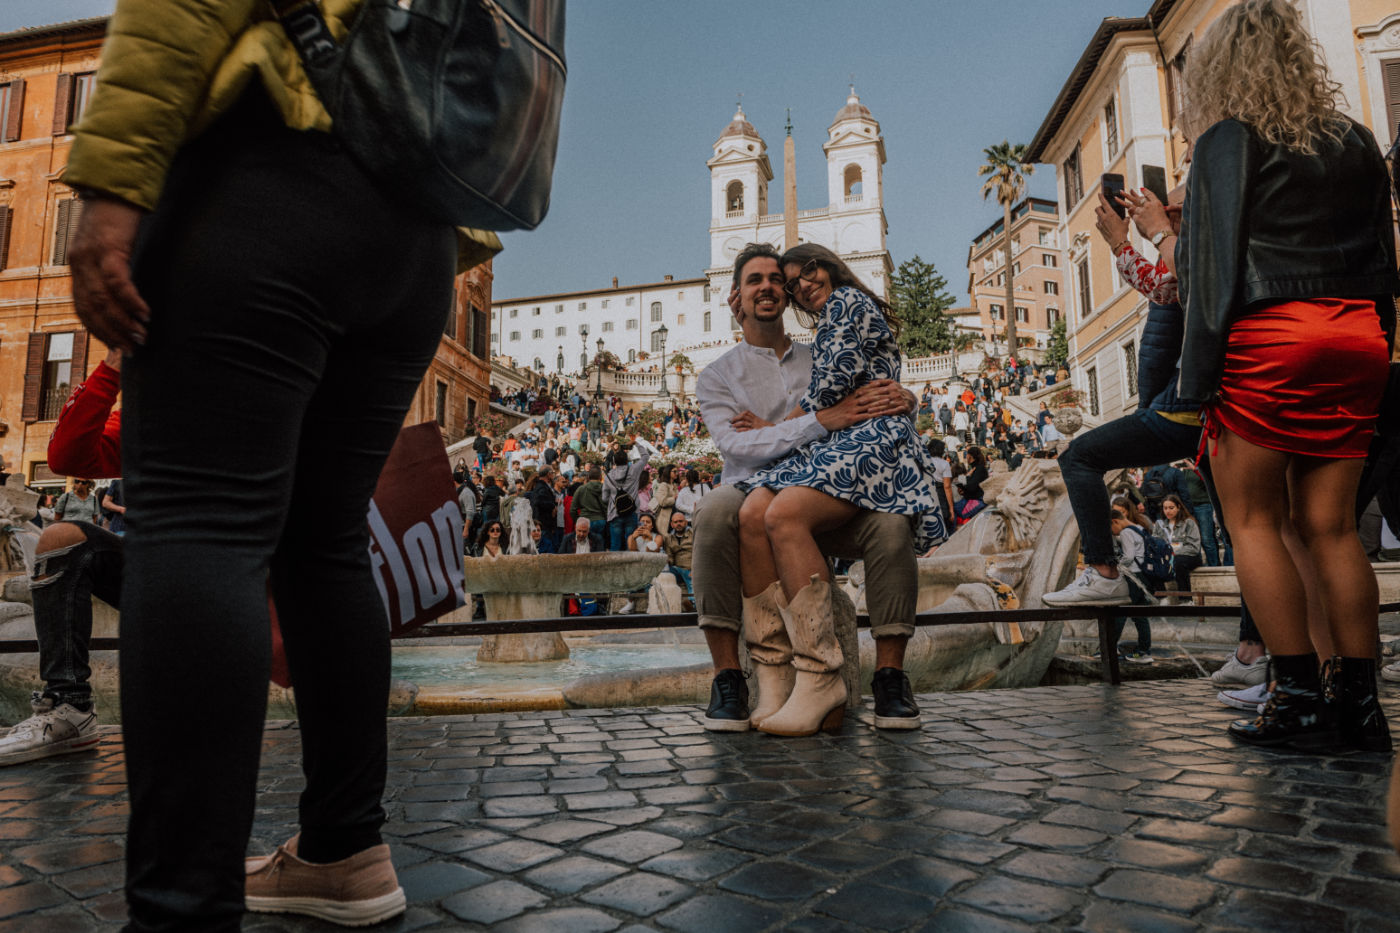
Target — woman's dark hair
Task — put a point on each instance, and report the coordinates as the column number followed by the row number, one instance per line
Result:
column 936, row 447
column 489, row 479
column 663, row 475
column 644, row 480
column 841, row 276
column 976, row 456
column 1183, row 514
column 498, row 525
column 692, row 477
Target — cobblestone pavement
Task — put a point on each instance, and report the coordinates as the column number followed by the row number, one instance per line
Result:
column 1087, row 808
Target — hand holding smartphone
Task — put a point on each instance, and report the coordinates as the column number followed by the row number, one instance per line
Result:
column 1112, row 188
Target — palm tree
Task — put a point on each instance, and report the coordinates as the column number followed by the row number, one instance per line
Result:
column 1006, row 171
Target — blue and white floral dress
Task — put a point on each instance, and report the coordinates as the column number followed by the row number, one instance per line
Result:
column 878, row 464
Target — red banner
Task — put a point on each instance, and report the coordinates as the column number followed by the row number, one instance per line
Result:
column 415, row 526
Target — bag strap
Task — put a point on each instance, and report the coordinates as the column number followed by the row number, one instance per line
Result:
column 306, row 29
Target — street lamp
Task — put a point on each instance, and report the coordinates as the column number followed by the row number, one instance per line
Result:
column 598, row 392
column 583, row 356
column 661, row 332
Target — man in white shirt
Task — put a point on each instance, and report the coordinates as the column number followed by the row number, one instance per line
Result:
column 745, row 397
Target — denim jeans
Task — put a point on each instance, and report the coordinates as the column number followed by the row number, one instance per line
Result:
column 620, row 529
column 64, row 582
column 1205, row 520
column 294, row 308
column 1142, row 438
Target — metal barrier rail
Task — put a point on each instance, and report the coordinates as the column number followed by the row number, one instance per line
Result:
column 1103, row 615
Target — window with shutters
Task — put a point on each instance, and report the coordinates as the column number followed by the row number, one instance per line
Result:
column 561, row 331
column 655, row 311
column 515, row 335
column 558, row 309
column 7, row 215
column 707, row 322
column 1093, row 378
column 71, row 100
column 657, row 343
column 441, row 407
column 537, row 333
column 632, row 323
column 707, row 294
column 1074, row 180
column 1176, row 91
column 607, row 327
column 515, row 312
column 55, row 361
column 994, row 311
column 11, row 110
column 480, row 325
column 1110, row 127
column 1390, row 81
column 1023, row 316
column 65, row 229
column 1048, row 259
column 1086, row 298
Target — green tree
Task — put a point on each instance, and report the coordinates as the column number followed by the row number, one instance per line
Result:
column 920, row 298
column 1057, row 351
column 1006, row 170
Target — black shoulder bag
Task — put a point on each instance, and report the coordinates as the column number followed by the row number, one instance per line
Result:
column 453, row 105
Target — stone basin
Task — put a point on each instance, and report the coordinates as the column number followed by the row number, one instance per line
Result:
column 530, row 586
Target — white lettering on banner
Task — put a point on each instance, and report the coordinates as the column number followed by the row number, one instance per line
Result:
column 381, row 536
column 430, row 556
column 448, row 523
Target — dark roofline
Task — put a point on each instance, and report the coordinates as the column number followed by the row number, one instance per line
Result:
column 1050, row 206
column 601, row 291
column 1084, row 70
column 55, row 29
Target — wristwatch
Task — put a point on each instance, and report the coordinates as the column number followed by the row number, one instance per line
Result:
column 1157, row 238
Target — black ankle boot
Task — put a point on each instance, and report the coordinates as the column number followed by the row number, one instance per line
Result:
column 1356, row 708
column 1295, row 710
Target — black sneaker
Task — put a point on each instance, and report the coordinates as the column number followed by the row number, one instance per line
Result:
column 894, row 700
column 729, row 703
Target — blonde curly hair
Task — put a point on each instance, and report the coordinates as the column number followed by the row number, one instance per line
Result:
column 1258, row 64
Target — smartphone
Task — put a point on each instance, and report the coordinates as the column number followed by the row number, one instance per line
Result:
column 1154, row 179
column 1112, row 187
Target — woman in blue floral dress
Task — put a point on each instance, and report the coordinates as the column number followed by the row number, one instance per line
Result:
column 878, row 464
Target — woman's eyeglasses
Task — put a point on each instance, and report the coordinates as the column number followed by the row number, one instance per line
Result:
column 808, row 274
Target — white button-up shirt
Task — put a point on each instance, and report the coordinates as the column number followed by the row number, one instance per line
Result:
column 749, row 378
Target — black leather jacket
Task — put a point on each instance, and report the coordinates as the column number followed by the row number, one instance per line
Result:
column 1263, row 225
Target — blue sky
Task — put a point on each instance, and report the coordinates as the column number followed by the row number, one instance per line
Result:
column 652, row 84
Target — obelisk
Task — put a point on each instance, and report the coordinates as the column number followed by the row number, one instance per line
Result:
column 789, row 188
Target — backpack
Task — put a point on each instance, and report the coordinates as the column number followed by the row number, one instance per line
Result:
column 1158, row 561
column 622, row 500
column 452, row 104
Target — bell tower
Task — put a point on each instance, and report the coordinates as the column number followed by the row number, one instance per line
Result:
column 739, row 177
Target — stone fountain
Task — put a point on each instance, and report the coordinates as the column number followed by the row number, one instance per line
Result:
column 532, row 586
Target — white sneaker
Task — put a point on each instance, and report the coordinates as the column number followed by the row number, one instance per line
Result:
column 52, row 730
column 1249, row 699
column 1391, row 672
column 1091, row 589
column 1236, row 673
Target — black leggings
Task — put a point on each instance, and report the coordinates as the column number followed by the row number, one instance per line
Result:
column 294, row 309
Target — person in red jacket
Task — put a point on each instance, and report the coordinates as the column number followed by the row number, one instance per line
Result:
column 74, row 562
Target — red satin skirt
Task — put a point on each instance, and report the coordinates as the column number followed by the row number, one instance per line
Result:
column 1305, row 377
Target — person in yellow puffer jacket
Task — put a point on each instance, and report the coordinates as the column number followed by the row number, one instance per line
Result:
column 278, row 310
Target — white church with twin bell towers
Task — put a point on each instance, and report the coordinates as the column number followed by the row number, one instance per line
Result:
column 551, row 333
